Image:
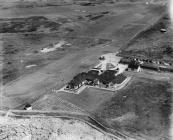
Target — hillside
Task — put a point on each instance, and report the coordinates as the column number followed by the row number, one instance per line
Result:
column 152, row 43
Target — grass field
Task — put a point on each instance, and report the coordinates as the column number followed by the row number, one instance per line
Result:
column 152, row 43
column 90, row 99
column 53, row 102
column 142, row 109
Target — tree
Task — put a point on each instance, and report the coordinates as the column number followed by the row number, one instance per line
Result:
column 91, row 76
column 107, row 76
column 78, row 79
column 133, row 64
column 71, row 84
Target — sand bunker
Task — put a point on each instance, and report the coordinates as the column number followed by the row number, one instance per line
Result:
column 54, row 47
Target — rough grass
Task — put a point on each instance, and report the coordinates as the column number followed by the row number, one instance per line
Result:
column 152, row 43
column 147, row 103
column 31, row 24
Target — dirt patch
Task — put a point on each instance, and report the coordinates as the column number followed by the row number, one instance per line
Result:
column 30, row 24
column 47, row 128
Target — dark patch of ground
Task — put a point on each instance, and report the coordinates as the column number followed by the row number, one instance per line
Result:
column 93, row 16
column 143, row 108
column 31, row 24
